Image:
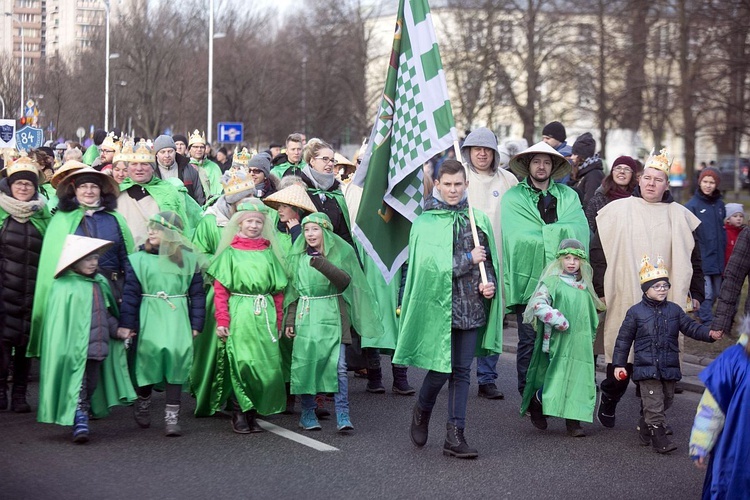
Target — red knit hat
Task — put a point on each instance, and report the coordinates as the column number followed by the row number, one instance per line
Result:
column 712, row 172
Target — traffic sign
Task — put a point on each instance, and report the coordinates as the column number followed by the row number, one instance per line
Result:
column 7, row 134
column 29, row 138
column 230, row 131
column 80, row 132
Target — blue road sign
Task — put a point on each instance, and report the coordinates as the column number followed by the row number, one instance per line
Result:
column 230, row 131
column 29, row 138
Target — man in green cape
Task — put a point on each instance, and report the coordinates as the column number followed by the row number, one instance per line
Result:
column 293, row 155
column 447, row 315
column 536, row 215
column 208, row 171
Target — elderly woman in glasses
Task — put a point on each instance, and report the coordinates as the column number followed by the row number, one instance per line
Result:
column 319, row 174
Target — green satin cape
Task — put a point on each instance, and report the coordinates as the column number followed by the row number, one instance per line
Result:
column 529, row 244
column 567, row 372
column 424, row 337
column 167, row 197
column 249, row 361
column 213, row 174
column 61, row 225
column 64, row 352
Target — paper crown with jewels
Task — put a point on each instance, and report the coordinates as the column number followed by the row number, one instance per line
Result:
column 662, row 161
column 110, row 143
column 197, row 138
column 241, row 158
column 23, row 163
column 125, row 153
column 142, row 153
column 649, row 272
column 237, row 182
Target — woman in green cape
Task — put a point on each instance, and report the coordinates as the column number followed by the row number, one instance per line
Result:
column 83, row 367
column 563, row 308
column 328, row 293
column 249, row 279
column 163, row 302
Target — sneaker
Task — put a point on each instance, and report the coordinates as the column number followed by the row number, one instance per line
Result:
column 344, row 424
column 308, row 421
column 171, row 421
column 489, row 391
column 606, row 412
column 81, row 427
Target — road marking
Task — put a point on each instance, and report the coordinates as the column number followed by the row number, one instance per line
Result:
column 299, row 438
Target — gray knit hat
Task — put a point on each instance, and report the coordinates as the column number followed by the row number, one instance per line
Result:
column 734, row 208
column 261, row 162
column 163, row 141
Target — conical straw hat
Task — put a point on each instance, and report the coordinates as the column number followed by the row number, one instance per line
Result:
column 519, row 164
column 77, row 247
column 109, row 185
column 68, row 167
column 294, row 195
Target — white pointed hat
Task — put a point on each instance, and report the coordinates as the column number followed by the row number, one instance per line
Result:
column 77, row 247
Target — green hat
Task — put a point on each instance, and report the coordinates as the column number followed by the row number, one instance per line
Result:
column 320, row 219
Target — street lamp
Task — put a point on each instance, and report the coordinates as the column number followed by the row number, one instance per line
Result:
column 23, row 55
column 106, row 66
column 211, row 36
column 120, row 83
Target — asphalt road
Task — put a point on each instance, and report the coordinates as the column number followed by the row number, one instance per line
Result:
column 377, row 460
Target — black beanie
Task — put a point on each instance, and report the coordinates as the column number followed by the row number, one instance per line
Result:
column 25, row 175
column 556, row 130
column 648, row 284
column 585, row 145
column 85, row 178
column 180, row 137
column 99, row 136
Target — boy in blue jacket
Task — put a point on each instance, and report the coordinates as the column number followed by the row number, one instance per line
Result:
column 653, row 325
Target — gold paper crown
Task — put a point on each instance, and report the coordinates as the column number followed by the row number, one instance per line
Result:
column 143, row 153
column 125, row 153
column 23, row 164
column 659, row 162
column 197, row 138
column 649, row 272
column 110, row 142
column 242, row 158
column 238, row 182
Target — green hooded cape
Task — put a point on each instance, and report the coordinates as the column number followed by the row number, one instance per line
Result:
column 213, row 174
column 64, row 351
column 424, row 338
column 167, row 197
column 61, row 225
column 528, row 243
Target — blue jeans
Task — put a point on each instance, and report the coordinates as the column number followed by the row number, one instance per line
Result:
column 487, row 369
column 712, row 287
column 463, row 344
column 341, row 398
column 526, row 339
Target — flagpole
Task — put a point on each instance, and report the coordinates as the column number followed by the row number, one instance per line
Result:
column 472, row 222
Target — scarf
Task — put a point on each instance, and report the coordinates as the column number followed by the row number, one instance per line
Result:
column 21, row 211
column 319, row 179
column 618, row 192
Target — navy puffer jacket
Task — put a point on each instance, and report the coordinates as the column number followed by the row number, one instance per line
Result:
column 653, row 327
column 711, row 233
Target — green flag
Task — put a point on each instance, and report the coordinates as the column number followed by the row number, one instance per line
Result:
column 414, row 122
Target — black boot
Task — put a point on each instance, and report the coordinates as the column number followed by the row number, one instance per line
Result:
column 420, row 424
column 537, row 413
column 456, row 445
column 490, row 391
column 291, row 399
column 375, row 381
column 239, row 419
column 18, row 400
column 574, row 428
column 606, row 413
column 252, row 423
column 659, row 439
column 400, row 382
column 3, row 396
column 643, row 433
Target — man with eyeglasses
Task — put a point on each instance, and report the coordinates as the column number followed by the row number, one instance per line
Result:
column 648, row 222
column 171, row 165
column 208, row 171
column 290, row 161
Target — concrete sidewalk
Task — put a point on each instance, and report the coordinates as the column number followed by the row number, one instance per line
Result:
column 691, row 365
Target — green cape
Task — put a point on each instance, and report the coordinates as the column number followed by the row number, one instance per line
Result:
column 528, row 243
column 213, row 174
column 61, row 225
column 567, row 372
column 167, row 197
column 280, row 169
column 40, row 220
column 424, row 337
column 91, row 154
column 64, row 352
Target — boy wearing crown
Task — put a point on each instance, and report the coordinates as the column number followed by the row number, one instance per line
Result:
column 652, row 326
column 651, row 221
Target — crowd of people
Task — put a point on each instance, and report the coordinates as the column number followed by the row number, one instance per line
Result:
column 142, row 265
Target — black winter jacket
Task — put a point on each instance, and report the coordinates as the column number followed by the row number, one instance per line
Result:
column 103, row 326
column 20, row 247
column 654, row 327
column 189, row 176
column 104, row 226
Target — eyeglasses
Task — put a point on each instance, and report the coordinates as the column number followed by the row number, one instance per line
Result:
column 198, row 146
column 661, row 287
column 255, row 171
column 108, row 150
column 24, row 184
column 326, row 159
column 623, row 169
